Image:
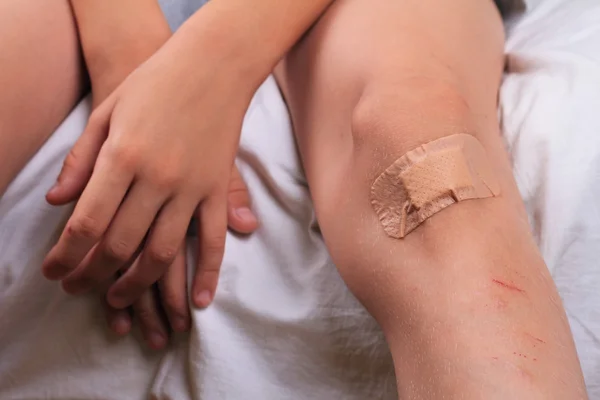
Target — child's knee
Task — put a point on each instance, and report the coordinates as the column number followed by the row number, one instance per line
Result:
column 391, row 119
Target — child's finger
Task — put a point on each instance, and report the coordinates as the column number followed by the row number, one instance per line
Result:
column 79, row 163
column 121, row 241
column 173, row 293
column 118, row 321
column 239, row 213
column 152, row 324
column 159, row 252
column 87, row 225
column 212, row 232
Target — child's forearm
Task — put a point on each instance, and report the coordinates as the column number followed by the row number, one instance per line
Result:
column 247, row 38
column 116, row 37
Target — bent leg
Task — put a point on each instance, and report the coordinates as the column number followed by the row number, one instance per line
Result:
column 41, row 77
column 465, row 301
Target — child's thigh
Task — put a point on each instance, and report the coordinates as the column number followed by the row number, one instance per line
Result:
column 40, row 77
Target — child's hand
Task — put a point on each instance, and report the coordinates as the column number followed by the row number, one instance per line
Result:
column 168, row 298
column 164, row 307
column 163, row 147
column 167, row 301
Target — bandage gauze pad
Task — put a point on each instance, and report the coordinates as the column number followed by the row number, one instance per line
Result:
column 430, row 178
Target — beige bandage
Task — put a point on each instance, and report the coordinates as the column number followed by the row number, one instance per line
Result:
column 430, row 178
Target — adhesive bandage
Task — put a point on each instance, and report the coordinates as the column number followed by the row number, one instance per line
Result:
column 430, row 178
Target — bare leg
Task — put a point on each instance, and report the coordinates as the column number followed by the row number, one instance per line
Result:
column 465, row 301
column 41, row 77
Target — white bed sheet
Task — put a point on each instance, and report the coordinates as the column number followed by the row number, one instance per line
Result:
column 550, row 107
column 283, row 326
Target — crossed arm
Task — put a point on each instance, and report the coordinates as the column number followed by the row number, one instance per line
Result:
column 164, row 143
column 43, row 77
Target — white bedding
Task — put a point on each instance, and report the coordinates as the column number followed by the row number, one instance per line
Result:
column 283, row 326
column 550, row 107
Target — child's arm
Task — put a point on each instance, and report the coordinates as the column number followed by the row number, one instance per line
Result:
column 116, row 38
column 162, row 146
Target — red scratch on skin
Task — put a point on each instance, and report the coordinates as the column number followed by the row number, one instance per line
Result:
column 508, row 286
column 495, row 358
column 535, row 338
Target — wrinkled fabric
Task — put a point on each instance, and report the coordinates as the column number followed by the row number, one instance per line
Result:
column 550, row 102
column 283, row 325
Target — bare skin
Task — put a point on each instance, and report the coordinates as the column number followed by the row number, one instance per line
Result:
column 459, row 310
column 160, row 149
column 466, row 303
column 40, row 75
column 43, row 78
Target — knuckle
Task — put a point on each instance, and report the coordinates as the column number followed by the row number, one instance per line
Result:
column 214, row 245
column 166, row 179
column 118, row 250
column 163, row 255
column 238, row 198
column 85, row 227
column 238, row 190
column 125, row 157
column 237, row 184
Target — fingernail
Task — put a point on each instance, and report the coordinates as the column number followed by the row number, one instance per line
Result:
column 203, row 299
column 156, row 340
column 121, row 325
column 245, row 214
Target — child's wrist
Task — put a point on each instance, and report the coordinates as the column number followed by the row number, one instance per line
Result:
column 109, row 64
column 231, row 43
column 114, row 44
